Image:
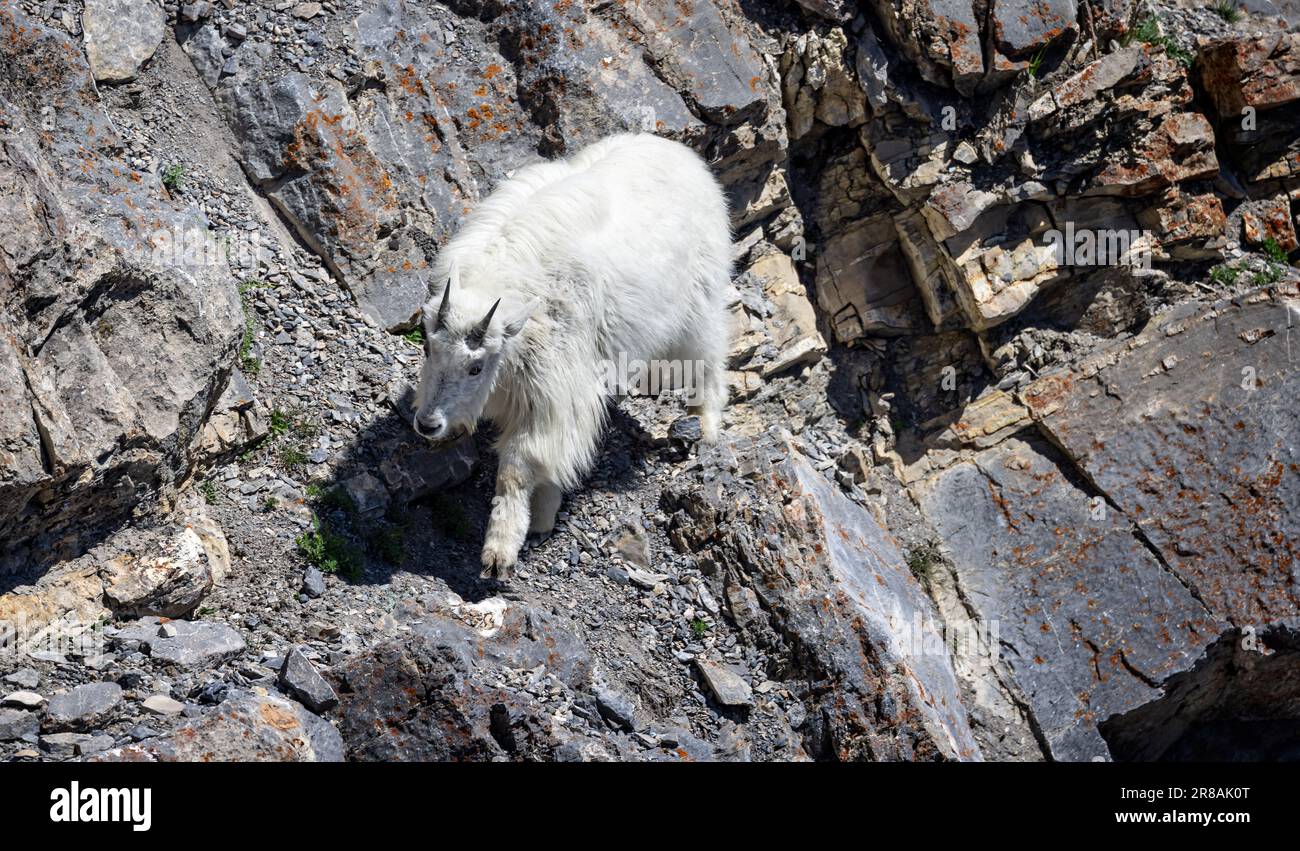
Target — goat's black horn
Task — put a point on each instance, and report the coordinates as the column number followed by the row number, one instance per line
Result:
column 480, row 330
column 445, row 304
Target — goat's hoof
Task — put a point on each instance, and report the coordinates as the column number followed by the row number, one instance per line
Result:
column 498, row 563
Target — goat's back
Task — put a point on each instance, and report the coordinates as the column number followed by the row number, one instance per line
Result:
column 629, row 237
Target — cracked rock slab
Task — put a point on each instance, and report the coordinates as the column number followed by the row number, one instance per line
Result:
column 1191, row 430
column 1088, row 620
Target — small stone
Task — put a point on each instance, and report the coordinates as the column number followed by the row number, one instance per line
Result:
column 95, row 744
column 16, row 724
column 686, row 429
column 194, row 12
column 645, row 579
column 23, row 700
column 300, row 677
column 615, row 706
column 313, row 583
column 64, row 745
column 84, row 706
column 306, row 11
column 632, row 545
column 727, row 687
column 161, row 704
column 140, row 732
column 27, row 678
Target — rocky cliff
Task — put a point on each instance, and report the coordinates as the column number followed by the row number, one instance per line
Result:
column 1010, row 469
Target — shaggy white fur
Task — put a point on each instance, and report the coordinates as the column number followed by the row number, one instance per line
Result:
column 623, row 250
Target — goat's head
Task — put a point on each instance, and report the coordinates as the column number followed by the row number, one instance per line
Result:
column 462, row 359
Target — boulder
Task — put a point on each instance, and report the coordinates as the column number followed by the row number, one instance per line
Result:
column 1205, row 469
column 121, row 35
column 444, row 693
column 186, row 644
column 246, row 727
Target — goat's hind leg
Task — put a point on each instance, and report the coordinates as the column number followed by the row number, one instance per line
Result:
column 709, row 393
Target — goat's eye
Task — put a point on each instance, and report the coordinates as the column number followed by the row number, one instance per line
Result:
column 475, row 368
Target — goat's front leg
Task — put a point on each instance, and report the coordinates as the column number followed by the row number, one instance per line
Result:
column 508, row 525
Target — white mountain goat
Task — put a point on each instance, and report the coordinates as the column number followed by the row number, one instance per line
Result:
column 620, row 254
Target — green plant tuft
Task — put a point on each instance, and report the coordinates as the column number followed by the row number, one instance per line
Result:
column 921, row 560
column 174, row 178
column 1227, row 10
column 1036, row 63
column 1225, row 274
column 1148, row 32
column 292, row 457
column 279, row 422
column 1273, row 249
column 330, row 552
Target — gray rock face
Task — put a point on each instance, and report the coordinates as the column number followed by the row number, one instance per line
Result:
column 1112, row 556
column 245, row 728
column 189, row 644
column 833, row 596
column 82, row 707
column 941, row 36
column 1021, row 26
column 304, row 682
column 1206, row 469
column 114, row 347
column 1033, row 558
column 374, row 183
column 121, row 35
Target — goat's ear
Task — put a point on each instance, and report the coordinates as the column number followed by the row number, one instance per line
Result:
column 514, row 323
